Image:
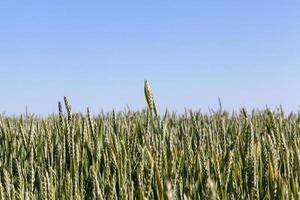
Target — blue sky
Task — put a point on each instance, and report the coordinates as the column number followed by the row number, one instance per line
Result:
column 98, row 53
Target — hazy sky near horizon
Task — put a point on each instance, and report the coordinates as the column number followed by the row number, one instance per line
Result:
column 98, row 53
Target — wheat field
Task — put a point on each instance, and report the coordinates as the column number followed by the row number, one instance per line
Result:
column 147, row 155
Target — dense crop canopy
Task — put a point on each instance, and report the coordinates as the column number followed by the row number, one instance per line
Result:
column 137, row 155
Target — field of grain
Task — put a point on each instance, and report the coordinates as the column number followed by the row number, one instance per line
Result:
column 144, row 155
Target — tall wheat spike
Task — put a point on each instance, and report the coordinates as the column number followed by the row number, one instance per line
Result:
column 149, row 98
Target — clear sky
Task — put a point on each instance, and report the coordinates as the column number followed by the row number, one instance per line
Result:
column 98, row 53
